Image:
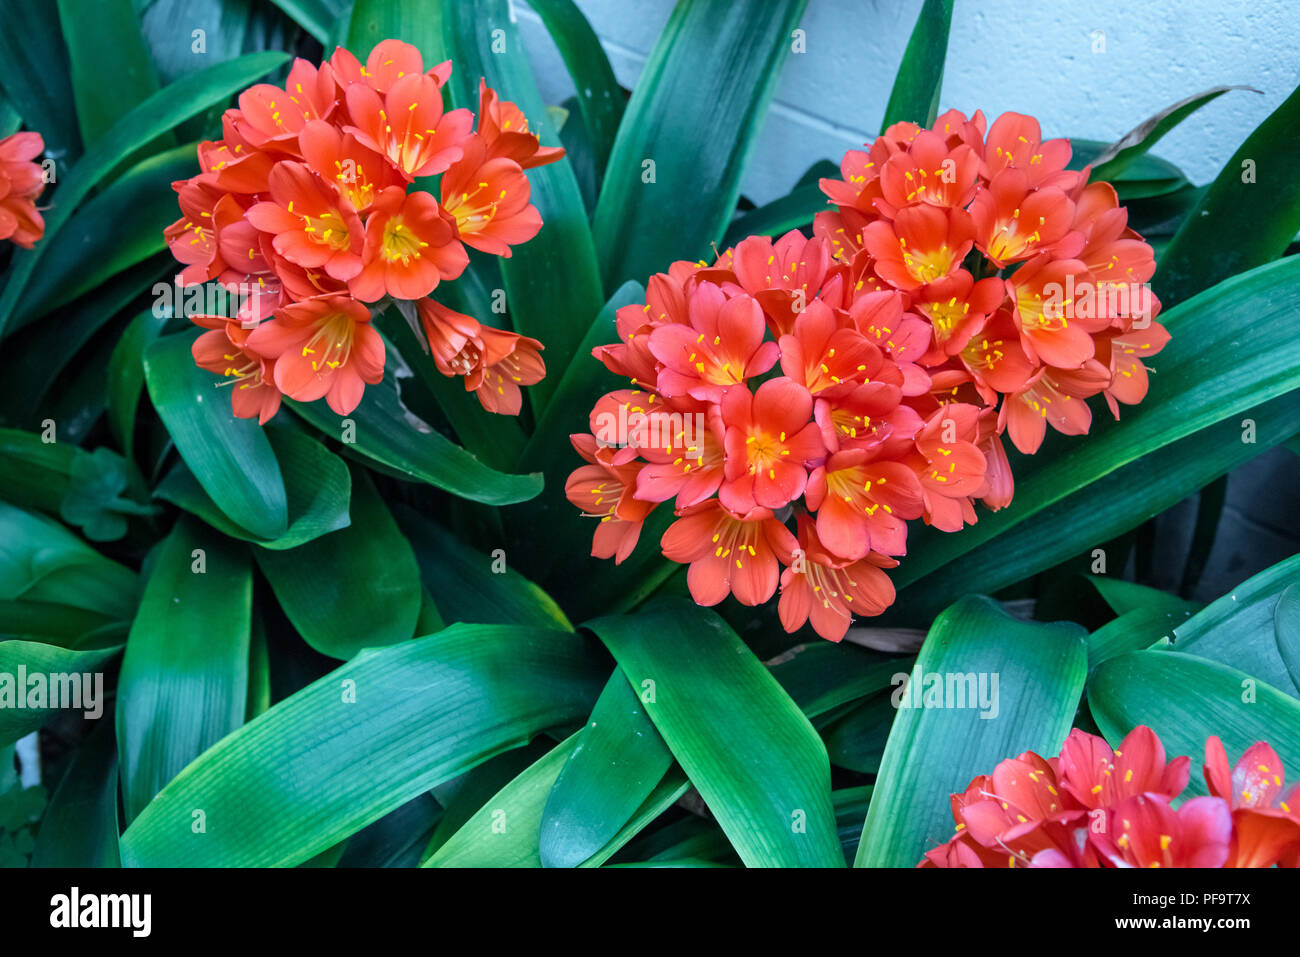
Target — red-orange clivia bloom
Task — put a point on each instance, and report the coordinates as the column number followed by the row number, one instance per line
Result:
column 324, row 347
column 306, row 207
column 967, row 290
column 1096, row 807
column 21, row 183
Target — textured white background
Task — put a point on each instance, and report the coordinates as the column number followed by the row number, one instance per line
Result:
column 1002, row 55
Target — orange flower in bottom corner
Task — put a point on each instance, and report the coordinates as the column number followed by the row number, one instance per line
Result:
column 1092, row 806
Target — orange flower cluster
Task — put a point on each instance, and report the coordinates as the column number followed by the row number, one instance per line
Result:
column 1032, row 284
column 962, row 287
column 305, row 208
column 21, row 183
column 1094, row 807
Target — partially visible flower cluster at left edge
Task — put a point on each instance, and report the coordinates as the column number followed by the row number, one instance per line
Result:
column 801, row 399
column 1094, row 807
column 305, row 210
column 21, row 183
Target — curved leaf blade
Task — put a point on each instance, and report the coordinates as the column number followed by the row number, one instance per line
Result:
column 1185, row 699
column 385, row 430
column 184, row 680
column 915, row 96
column 389, row 724
column 696, row 113
column 1039, row 670
column 755, row 759
column 231, row 458
column 615, row 765
column 355, row 588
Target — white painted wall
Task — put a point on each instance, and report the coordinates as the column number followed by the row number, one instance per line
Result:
column 1002, row 55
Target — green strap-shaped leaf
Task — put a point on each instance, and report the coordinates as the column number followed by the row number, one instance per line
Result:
column 826, row 676
column 986, row 687
column 40, row 560
column 418, row 22
column 79, row 828
column 35, row 76
column 503, row 833
column 1102, row 510
column 1238, row 628
column 1255, row 200
column 1121, row 154
column 600, row 98
column 231, row 458
column 126, row 376
column 184, row 681
column 396, row 838
column 33, row 473
column 1185, row 699
column 755, row 759
column 145, row 122
column 110, row 64
column 1131, row 631
column 618, row 761
column 317, row 489
column 355, row 588
column 519, row 806
column 383, row 429
column 386, row 726
column 320, row 17
column 1125, row 596
column 113, row 231
column 39, row 355
column 1286, row 628
column 37, row 679
column 470, row 586
column 583, row 382
column 688, row 131
column 48, row 623
column 795, row 210
column 857, row 741
column 552, row 284
column 915, row 96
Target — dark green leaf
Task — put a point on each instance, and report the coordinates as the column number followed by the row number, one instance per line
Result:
column 231, row 458
column 966, row 723
column 385, row 727
column 110, row 66
column 695, row 114
column 599, row 96
column 1121, row 154
column 385, row 430
column 355, row 588
column 317, row 487
column 618, row 761
column 34, row 74
column 551, row 282
column 1185, row 699
column 1238, row 629
column 1255, row 200
column 79, row 828
column 470, row 586
column 743, row 743
column 184, row 681
column 55, row 677
column 915, row 96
